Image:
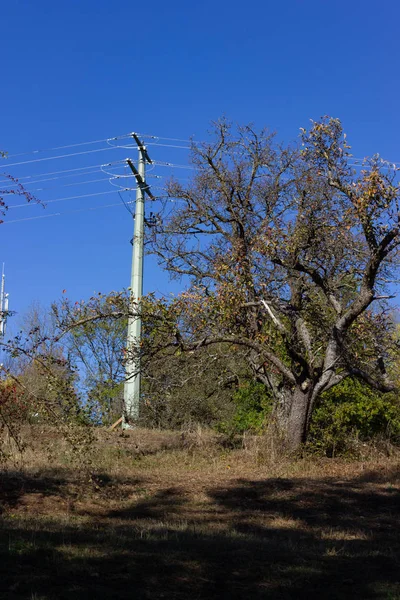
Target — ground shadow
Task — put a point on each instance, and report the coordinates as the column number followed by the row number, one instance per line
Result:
column 274, row 538
column 15, row 484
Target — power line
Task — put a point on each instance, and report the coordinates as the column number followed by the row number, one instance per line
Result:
column 101, row 167
column 34, row 182
column 92, row 170
column 126, row 203
column 190, row 141
column 168, row 164
column 125, row 136
column 26, row 162
column 67, row 198
column 354, row 162
column 88, row 167
column 169, row 146
column 159, row 137
column 111, row 176
column 125, row 167
column 67, row 212
column 69, row 146
column 64, row 185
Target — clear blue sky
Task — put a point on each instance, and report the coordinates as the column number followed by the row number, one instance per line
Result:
column 82, row 70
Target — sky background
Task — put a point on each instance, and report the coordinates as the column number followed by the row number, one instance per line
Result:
column 79, row 71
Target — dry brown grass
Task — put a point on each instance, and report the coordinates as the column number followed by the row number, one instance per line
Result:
column 171, row 515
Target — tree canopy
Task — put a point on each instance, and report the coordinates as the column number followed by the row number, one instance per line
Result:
column 290, row 253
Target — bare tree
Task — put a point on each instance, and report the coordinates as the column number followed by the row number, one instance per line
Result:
column 9, row 187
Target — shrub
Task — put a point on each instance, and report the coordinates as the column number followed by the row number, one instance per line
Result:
column 349, row 411
column 15, row 405
column 253, row 406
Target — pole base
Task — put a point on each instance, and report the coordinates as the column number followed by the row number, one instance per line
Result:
column 126, row 426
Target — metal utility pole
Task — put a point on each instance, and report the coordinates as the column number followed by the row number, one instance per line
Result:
column 3, row 305
column 132, row 381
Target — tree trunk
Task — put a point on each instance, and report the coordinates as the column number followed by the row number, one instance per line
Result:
column 291, row 417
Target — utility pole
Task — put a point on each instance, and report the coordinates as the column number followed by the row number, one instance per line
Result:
column 133, row 379
column 3, row 304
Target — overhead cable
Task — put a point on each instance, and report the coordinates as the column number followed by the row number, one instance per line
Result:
column 37, row 181
column 64, row 199
column 168, row 164
column 69, row 146
column 169, row 145
column 26, row 162
column 59, row 214
column 55, row 187
column 88, row 167
column 159, row 137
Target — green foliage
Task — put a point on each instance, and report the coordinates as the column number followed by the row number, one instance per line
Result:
column 350, row 411
column 96, row 343
column 253, row 406
column 104, row 402
column 183, row 389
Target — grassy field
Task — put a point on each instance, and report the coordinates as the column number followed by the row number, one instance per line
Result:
column 181, row 516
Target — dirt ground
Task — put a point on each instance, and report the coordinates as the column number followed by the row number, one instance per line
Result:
column 166, row 515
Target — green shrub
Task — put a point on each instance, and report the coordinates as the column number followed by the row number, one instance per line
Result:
column 349, row 411
column 253, row 406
